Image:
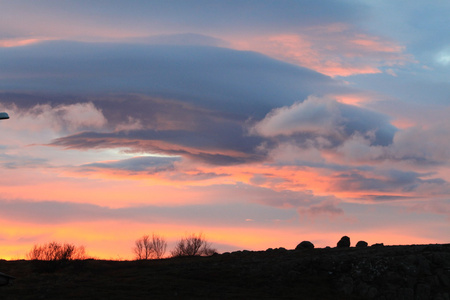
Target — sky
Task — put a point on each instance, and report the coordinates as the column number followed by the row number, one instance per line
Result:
column 259, row 124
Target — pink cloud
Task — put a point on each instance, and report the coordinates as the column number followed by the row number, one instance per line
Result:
column 334, row 50
column 18, row 42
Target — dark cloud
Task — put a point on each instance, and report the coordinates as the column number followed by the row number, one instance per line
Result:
column 153, row 125
column 209, row 146
column 387, row 197
column 323, row 208
column 195, row 176
column 210, row 77
column 389, row 181
column 177, row 100
column 164, row 166
column 136, row 164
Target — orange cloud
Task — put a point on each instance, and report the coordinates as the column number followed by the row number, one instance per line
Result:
column 7, row 43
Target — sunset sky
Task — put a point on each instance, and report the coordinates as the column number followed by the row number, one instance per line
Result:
column 257, row 123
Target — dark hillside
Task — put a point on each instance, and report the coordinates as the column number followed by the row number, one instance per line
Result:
column 389, row 272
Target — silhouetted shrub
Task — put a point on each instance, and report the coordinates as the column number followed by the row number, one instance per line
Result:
column 55, row 251
column 305, row 245
column 361, row 244
column 344, row 242
column 146, row 248
column 193, row 245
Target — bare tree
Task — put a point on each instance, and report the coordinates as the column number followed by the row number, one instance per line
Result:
column 54, row 251
column 143, row 248
column 150, row 248
column 193, row 245
column 159, row 246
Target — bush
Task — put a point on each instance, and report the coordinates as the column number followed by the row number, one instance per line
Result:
column 193, row 245
column 55, row 251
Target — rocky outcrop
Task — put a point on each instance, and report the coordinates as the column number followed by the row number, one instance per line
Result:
column 305, row 245
column 361, row 244
column 344, row 242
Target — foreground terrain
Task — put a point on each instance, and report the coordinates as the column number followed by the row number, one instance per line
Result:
column 382, row 272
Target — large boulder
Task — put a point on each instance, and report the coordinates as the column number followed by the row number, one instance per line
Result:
column 344, row 242
column 305, row 245
column 361, row 244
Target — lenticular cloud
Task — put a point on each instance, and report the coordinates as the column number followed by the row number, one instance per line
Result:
column 326, row 118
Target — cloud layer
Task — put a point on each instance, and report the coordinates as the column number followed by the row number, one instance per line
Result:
column 259, row 125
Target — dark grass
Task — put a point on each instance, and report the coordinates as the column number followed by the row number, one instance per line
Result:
column 192, row 278
column 276, row 274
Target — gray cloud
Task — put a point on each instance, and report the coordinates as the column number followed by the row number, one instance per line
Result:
column 164, row 166
column 198, row 15
column 181, row 39
column 177, row 100
column 211, row 77
column 391, row 181
column 323, row 208
column 136, row 164
column 53, row 212
column 329, row 120
column 15, row 161
column 209, row 146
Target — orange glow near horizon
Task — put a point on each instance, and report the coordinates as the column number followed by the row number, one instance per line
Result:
column 114, row 240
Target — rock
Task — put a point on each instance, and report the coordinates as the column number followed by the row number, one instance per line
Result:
column 305, row 245
column 378, row 245
column 361, row 244
column 344, row 242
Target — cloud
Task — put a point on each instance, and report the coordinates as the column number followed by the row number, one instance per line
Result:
column 237, row 202
column 181, row 39
column 147, row 164
column 327, row 121
column 18, row 162
column 17, row 42
column 190, row 101
column 393, row 181
column 211, row 77
column 141, row 17
column 55, row 212
column 323, row 208
column 422, row 145
column 336, row 49
column 231, row 148
column 61, row 118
